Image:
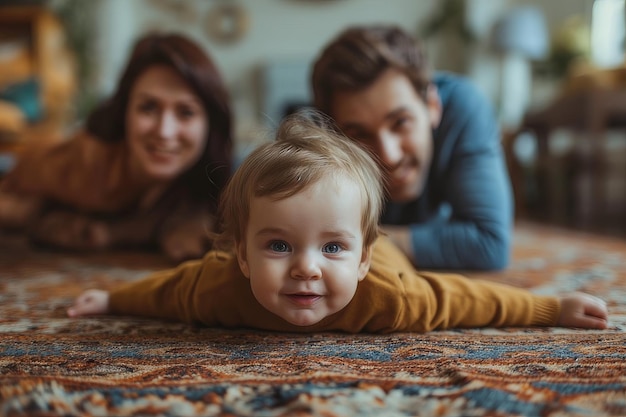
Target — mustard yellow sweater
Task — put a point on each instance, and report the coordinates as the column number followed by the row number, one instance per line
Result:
column 393, row 297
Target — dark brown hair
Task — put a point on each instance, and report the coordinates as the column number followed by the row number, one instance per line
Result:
column 359, row 55
column 108, row 121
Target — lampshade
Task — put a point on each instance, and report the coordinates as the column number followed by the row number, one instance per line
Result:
column 522, row 30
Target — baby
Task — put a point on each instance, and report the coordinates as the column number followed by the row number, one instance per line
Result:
column 300, row 251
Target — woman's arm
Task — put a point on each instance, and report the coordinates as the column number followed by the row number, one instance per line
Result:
column 17, row 211
column 181, row 233
column 69, row 230
column 187, row 232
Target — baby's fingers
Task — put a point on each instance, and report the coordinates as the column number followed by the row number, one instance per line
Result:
column 90, row 302
column 595, row 315
column 583, row 310
column 81, row 308
column 591, row 322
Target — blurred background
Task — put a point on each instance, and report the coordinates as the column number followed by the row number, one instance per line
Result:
column 553, row 69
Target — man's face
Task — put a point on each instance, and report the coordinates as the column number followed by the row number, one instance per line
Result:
column 395, row 124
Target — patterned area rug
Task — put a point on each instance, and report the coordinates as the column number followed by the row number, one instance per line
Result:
column 52, row 365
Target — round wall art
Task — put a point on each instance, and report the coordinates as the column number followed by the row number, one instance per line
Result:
column 227, row 22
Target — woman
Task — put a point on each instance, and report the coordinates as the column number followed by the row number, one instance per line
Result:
column 148, row 167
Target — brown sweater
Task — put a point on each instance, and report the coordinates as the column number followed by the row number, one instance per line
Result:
column 82, row 172
column 90, row 176
column 393, row 297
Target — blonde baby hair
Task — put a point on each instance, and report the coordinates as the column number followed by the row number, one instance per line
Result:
column 307, row 148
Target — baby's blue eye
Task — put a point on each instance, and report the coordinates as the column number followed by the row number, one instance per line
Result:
column 332, row 248
column 279, row 246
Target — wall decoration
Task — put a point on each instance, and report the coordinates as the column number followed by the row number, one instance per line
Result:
column 227, row 22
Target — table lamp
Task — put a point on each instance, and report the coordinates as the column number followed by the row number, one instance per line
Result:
column 519, row 36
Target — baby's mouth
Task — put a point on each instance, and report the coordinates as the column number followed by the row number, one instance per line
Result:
column 303, row 299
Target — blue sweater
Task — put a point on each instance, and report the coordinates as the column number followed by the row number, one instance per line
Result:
column 463, row 219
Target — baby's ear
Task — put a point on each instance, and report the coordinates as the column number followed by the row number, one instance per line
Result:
column 242, row 258
column 366, row 261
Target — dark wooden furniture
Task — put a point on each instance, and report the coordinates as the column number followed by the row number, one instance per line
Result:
column 588, row 113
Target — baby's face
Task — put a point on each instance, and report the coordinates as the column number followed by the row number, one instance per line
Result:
column 304, row 254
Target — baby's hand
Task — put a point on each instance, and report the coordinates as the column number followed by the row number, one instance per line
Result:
column 89, row 303
column 583, row 310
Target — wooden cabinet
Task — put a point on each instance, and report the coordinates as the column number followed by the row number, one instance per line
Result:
column 37, row 75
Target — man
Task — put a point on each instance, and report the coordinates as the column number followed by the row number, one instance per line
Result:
column 437, row 140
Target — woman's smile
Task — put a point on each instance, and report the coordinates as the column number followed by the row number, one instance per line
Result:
column 162, row 153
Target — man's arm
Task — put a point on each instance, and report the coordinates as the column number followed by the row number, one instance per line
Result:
column 473, row 229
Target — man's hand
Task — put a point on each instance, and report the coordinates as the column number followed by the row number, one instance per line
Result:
column 90, row 302
column 401, row 237
column 583, row 310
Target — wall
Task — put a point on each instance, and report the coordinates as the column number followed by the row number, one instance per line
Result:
column 279, row 30
column 294, row 31
column 290, row 33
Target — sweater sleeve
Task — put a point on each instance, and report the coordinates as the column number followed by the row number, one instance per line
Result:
column 396, row 297
column 81, row 172
column 185, row 293
column 455, row 301
column 474, row 229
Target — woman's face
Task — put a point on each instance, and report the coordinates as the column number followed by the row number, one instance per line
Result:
column 166, row 125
